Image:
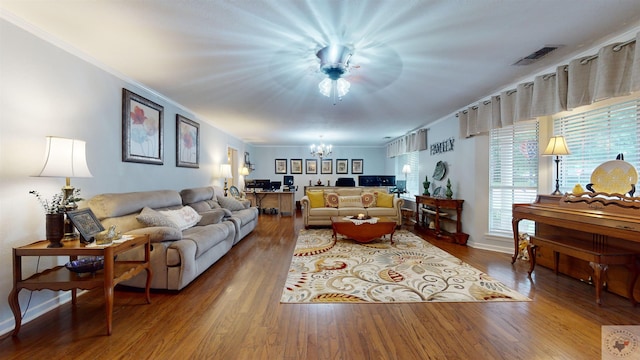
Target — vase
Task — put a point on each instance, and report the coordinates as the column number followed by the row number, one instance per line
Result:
column 54, row 229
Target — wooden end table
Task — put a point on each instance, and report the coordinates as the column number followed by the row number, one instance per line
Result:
column 363, row 233
column 61, row 278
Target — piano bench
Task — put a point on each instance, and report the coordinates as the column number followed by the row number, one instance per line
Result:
column 599, row 258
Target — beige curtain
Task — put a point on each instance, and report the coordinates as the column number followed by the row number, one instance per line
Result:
column 581, row 81
column 614, row 71
column 415, row 141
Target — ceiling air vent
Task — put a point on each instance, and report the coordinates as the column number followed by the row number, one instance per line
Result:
column 536, row 55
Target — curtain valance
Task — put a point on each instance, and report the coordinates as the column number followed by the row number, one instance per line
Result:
column 613, row 72
column 415, row 141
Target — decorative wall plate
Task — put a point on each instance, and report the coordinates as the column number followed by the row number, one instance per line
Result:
column 613, row 177
column 441, row 169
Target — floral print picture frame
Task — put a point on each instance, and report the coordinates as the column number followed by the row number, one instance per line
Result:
column 187, row 142
column 142, row 129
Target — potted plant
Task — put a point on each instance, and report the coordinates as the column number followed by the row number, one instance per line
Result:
column 54, row 214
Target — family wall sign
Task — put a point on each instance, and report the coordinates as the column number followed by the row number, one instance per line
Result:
column 442, row 146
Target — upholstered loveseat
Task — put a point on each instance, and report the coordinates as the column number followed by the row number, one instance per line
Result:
column 185, row 242
column 318, row 206
column 240, row 212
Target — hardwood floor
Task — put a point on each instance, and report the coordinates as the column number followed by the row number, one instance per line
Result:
column 232, row 311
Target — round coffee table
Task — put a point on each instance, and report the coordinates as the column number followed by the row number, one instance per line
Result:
column 365, row 232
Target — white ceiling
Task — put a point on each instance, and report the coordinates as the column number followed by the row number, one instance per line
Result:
column 249, row 66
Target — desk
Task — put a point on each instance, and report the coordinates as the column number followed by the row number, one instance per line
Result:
column 61, row 278
column 284, row 201
column 437, row 205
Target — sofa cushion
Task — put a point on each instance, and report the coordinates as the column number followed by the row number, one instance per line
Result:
column 350, row 201
column 151, row 217
column 158, row 233
column 368, row 200
column 348, row 191
column 331, row 200
column 316, row 199
column 185, row 217
column 231, row 203
column 194, row 195
column 212, row 216
column 384, row 200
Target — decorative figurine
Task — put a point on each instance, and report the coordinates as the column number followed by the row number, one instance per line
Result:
column 426, row 184
column 449, row 193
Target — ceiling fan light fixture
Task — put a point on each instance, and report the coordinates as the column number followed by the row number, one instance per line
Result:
column 334, row 63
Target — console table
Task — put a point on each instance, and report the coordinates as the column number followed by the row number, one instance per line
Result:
column 438, row 208
column 284, row 201
column 61, row 278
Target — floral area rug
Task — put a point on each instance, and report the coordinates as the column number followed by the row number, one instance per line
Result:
column 410, row 270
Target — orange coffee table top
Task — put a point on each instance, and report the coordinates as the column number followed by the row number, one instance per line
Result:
column 365, row 232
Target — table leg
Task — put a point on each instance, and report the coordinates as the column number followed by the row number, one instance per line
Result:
column 14, row 304
column 108, row 287
column 147, row 259
column 514, row 225
column 598, row 273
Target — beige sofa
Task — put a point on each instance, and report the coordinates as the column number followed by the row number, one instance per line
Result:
column 181, row 249
column 318, row 206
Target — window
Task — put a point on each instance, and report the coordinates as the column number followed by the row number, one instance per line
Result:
column 413, row 183
column 513, row 172
column 596, row 136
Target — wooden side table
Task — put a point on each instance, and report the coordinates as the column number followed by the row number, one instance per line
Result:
column 61, row 278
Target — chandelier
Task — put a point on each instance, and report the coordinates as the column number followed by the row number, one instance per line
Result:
column 321, row 150
column 334, row 62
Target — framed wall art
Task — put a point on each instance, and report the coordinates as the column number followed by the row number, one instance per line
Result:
column 326, row 166
column 281, row 166
column 357, row 166
column 311, row 166
column 296, row 166
column 86, row 222
column 187, row 142
column 142, row 129
column 342, row 166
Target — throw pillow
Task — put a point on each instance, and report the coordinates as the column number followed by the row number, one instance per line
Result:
column 211, row 217
column 331, row 200
column 150, row 217
column 230, row 203
column 368, row 200
column 350, row 201
column 384, row 200
column 184, row 217
column 316, row 198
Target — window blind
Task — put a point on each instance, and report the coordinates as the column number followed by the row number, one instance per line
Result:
column 596, row 136
column 413, row 183
column 513, row 172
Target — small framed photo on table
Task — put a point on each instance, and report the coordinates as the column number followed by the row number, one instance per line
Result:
column 87, row 224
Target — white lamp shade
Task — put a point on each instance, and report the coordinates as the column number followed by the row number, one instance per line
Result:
column 65, row 158
column 406, row 169
column 244, row 171
column 557, row 146
column 225, row 171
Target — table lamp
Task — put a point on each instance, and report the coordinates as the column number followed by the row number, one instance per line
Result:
column 66, row 158
column 225, row 172
column 557, row 146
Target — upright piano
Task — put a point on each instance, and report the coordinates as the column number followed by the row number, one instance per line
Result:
column 591, row 218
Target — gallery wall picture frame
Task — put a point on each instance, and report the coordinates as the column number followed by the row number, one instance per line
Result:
column 357, row 166
column 326, row 166
column 296, row 166
column 187, row 142
column 281, row 166
column 311, row 166
column 142, row 129
column 86, row 222
column 342, row 166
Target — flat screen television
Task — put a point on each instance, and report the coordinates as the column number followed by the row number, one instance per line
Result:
column 288, row 180
column 264, row 184
column 275, row 185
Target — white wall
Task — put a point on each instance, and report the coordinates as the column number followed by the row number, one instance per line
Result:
column 45, row 90
column 374, row 163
